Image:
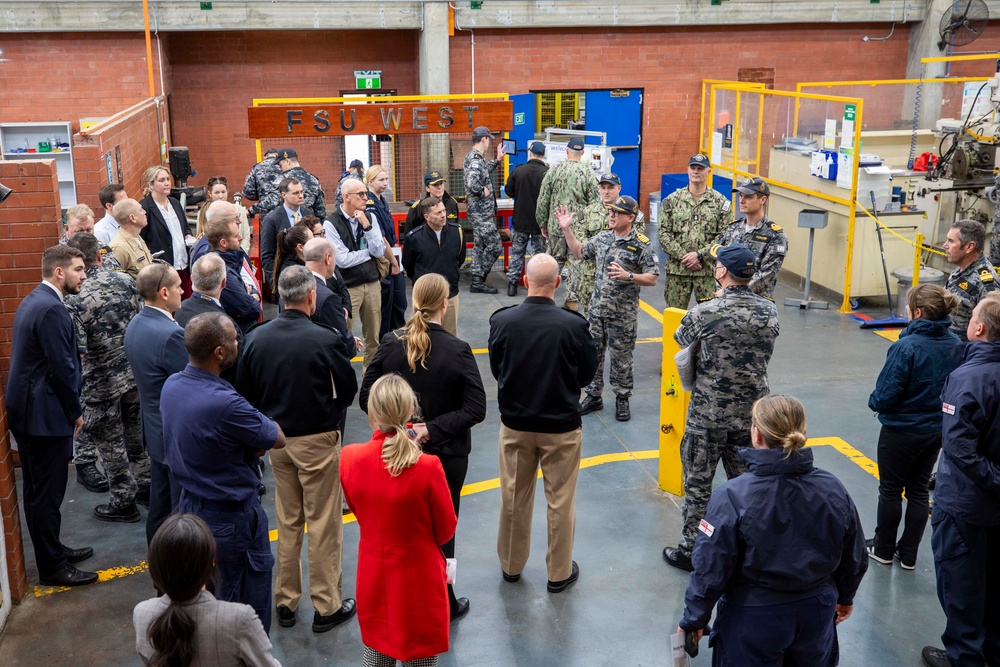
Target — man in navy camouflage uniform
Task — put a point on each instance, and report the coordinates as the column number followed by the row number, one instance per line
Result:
column 287, row 161
column 764, row 238
column 625, row 261
column 261, row 182
column 735, row 334
column 974, row 278
column 101, row 311
column 481, row 208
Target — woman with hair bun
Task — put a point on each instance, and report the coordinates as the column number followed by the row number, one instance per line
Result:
column 401, row 500
column 907, row 398
column 187, row 626
column 781, row 550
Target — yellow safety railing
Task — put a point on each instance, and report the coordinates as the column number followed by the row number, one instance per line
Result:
column 918, row 244
column 673, row 408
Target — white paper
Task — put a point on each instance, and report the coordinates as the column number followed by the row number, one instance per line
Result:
column 451, row 567
column 679, row 658
column 830, row 135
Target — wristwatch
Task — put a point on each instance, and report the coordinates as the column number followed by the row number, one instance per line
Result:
column 631, row 278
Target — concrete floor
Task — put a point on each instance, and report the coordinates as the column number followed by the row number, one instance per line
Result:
column 627, row 601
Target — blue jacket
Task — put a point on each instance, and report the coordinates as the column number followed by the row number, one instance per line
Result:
column 782, row 532
column 907, row 393
column 968, row 479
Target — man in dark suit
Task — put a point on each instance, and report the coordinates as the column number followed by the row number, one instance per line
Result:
column 539, row 420
column 154, row 345
column 437, row 247
column 240, row 298
column 331, row 309
column 282, row 217
column 208, row 280
column 44, row 412
column 299, row 374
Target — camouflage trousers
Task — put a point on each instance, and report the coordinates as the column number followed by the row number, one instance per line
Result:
column 580, row 286
column 617, row 335
column 556, row 246
column 113, row 428
column 677, row 290
column 519, row 244
column 994, row 255
column 701, row 450
column 487, row 246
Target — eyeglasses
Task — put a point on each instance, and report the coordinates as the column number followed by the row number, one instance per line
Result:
column 164, row 272
column 363, row 193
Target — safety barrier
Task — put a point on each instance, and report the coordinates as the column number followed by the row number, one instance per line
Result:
column 673, row 408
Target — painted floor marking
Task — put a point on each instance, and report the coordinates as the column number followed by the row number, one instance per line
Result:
column 838, row 444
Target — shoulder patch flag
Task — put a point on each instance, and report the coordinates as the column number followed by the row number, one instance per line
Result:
column 706, row 527
column 947, row 408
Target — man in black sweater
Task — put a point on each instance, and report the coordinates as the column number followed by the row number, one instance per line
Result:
column 437, row 247
column 208, row 279
column 286, row 373
column 540, row 421
column 523, row 185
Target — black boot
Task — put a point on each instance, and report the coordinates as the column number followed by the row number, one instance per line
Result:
column 511, row 289
column 479, row 285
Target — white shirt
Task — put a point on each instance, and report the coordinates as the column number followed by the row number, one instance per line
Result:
column 165, row 312
column 106, row 228
column 176, row 236
column 346, row 258
column 54, row 289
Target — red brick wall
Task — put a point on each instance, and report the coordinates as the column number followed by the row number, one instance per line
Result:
column 670, row 63
column 137, row 135
column 29, row 223
column 216, row 76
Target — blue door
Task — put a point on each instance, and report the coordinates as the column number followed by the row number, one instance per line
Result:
column 524, row 127
column 619, row 113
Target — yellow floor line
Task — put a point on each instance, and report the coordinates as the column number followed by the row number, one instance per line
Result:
column 652, row 312
column 838, row 444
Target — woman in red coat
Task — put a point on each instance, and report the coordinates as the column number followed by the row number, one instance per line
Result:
column 401, row 500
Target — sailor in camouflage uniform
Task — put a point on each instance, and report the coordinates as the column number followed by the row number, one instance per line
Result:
column 356, row 170
column 735, row 333
column 768, row 243
column 691, row 219
column 287, row 161
column 571, row 184
column 262, row 181
column 625, row 261
column 481, row 208
column 585, row 227
column 107, row 302
column 974, row 277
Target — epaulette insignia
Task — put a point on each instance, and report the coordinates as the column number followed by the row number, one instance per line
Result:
column 963, row 285
column 416, row 204
column 775, row 227
column 642, row 237
column 985, row 276
column 632, row 248
column 370, row 202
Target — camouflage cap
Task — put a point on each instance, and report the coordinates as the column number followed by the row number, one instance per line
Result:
column 625, row 205
column 736, row 257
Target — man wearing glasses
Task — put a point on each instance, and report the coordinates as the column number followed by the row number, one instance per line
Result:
column 768, row 243
column 357, row 243
column 625, row 262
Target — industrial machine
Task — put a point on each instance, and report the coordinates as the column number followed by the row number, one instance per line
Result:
column 597, row 156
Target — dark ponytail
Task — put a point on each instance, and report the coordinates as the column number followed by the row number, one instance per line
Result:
column 181, row 562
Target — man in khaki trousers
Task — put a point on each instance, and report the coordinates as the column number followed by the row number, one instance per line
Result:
column 540, row 421
column 299, row 373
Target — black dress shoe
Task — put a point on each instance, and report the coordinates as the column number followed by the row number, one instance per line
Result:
column 511, row 289
column 591, row 404
column 934, row 657
column 560, row 586
column 324, row 623
column 114, row 514
column 90, row 478
column 68, row 576
column 678, row 559
column 74, row 556
column 460, row 609
column 622, row 412
column 511, row 578
column 286, row 617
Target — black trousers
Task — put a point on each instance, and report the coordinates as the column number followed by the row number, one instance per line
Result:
column 393, row 303
column 455, row 469
column 164, row 494
column 45, row 471
column 905, row 462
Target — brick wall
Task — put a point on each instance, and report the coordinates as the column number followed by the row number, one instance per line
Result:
column 29, row 223
column 670, row 63
column 216, row 76
column 137, row 137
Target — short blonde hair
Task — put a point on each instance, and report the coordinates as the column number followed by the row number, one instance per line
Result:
column 391, row 405
column 79, row 212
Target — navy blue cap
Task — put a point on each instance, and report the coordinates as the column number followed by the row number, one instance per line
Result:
column 537, row 148
column 286, row 153
column 753, row 186
column 625, row 205
column 611, row 178
column 737, row 258
column 432, row 177
column 482, row 132
column 699, row 160
column 576, row 144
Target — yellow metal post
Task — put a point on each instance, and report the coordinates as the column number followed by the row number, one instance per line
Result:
column 916, row 259
column 673, row 408
column 845, row 306
column 760, row 130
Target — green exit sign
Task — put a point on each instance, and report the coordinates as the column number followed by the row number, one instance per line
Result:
column 368, row 79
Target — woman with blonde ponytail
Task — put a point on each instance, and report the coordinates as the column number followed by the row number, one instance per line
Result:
column 442, row 371
column 781, row 549
column 401, row 500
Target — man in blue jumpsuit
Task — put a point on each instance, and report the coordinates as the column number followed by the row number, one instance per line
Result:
column 212, row 438
column 966, row 517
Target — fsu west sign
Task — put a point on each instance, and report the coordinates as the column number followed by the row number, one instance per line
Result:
column 409, row 118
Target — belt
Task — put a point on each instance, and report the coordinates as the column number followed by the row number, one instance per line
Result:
column 221, row 505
